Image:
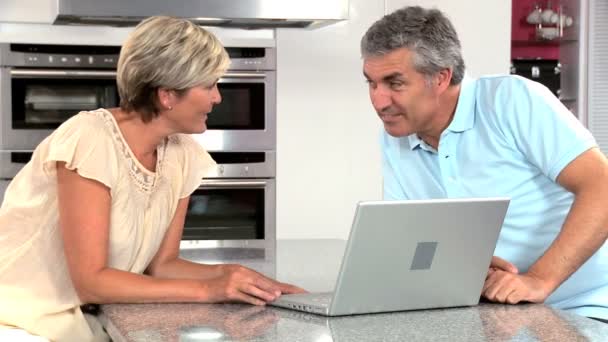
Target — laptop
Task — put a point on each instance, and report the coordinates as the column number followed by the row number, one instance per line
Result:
column 409, row 255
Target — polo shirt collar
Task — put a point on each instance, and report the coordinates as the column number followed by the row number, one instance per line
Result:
column 464, row 118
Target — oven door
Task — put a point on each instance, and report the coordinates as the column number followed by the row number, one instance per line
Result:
column 231, row 213
column 245, row 120
column 11, row 162
column 3, row 185
column 36, row 101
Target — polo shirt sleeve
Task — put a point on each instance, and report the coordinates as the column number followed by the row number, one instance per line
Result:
column 392, row 189
column 540, row 126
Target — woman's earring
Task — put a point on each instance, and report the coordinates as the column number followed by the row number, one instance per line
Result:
column 170, row 108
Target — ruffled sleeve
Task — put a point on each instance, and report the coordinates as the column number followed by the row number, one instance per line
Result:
column 84, row 144
column 196, row 164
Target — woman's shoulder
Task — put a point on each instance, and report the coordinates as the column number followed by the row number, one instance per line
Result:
column 91, row 124
column 189, row 152
column 186, row 144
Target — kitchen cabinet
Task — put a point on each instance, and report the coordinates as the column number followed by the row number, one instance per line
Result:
column 552, row 51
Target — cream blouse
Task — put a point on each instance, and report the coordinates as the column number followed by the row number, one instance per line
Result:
column 36, row 292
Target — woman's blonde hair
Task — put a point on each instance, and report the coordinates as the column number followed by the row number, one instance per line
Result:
column 170, row 53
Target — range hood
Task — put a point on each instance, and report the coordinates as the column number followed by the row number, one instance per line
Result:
column 249, row 14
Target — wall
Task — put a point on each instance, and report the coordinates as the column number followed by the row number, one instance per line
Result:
column 28, row 11
column 327, row 131
column 328, row 156
column 37, row 33
column 484, row 28
column 598, row 72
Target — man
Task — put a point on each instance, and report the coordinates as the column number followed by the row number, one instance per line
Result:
column 446, row 136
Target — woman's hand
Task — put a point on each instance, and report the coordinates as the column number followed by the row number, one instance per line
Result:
column 237, row 283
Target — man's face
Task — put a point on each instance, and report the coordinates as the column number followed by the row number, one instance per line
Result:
column 404, row 99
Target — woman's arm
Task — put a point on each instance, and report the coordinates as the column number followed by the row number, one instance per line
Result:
column 84, row 219
column 84, row 214
column 168, row 264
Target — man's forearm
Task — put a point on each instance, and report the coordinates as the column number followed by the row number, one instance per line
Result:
column 584, row 231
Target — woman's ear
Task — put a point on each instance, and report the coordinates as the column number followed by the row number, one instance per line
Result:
column 165, row 98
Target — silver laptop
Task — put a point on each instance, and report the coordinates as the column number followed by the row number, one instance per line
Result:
column 408, row 255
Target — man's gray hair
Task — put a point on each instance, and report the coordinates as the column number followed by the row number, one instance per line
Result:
column 428, row 33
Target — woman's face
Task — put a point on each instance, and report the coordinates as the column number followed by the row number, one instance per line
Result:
column 189, row 113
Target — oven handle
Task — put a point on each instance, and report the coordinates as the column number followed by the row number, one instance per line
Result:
column 243, row 75
column 35, row 73
column 215, row 184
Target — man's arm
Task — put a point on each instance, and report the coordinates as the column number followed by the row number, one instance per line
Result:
column 584, row 231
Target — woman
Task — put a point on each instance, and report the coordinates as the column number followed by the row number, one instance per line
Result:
column 97, row 215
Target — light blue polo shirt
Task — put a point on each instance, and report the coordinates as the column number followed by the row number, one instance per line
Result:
column 509, row 137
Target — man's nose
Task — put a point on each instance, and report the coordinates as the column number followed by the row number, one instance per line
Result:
column 380, row 97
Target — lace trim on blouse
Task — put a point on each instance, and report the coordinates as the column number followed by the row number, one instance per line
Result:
column 143, row 178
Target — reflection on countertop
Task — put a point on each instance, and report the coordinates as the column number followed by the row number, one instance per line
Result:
column 227, row 322
column 314, row 264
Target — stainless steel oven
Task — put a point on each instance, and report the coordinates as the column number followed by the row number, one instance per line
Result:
column 10, row 163
column 43, row 85
column 245, row 120
column 235, row 207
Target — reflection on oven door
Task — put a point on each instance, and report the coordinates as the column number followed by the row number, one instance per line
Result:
column 3, row 185
column 225, row 214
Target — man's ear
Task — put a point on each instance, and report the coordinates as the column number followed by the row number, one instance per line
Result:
column 442, row 80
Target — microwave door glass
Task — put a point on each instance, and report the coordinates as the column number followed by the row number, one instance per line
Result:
column 44, row 104
column 242, row 107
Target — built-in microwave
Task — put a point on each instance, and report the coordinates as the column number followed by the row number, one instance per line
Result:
column 43, row 85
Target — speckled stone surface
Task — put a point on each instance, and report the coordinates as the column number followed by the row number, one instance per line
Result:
column 313, row 264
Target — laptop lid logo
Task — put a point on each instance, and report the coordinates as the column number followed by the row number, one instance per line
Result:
column 423, row 257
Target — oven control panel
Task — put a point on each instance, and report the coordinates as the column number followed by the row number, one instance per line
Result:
column 69, row 61
column 59, row 56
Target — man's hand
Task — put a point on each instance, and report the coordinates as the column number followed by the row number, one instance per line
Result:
column 501, row 264
column 507, row 287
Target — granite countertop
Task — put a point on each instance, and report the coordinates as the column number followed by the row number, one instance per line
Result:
column 229, row 322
